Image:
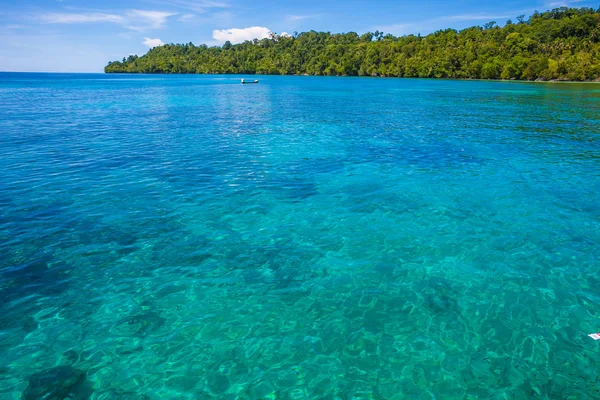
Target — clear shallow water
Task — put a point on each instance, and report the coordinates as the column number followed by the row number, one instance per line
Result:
column 187, row 237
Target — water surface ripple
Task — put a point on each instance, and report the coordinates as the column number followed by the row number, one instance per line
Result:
column 187, row 237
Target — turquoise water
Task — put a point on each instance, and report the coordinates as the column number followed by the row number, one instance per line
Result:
column 187, row 237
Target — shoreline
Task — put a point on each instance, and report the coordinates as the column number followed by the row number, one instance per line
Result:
column 554, row 81
column 597, row 80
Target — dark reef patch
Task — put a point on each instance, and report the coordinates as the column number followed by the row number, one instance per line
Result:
column 59, row 383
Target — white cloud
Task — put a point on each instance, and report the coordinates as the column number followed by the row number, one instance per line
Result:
column 136, row 20
column 236, row 35
column 285, row 34
column 152, row 42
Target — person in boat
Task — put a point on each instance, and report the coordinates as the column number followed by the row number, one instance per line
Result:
column 242, row 80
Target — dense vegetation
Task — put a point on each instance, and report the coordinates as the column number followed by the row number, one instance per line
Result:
column 560, row 44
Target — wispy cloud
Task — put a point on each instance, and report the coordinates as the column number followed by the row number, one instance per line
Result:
column 199, row 6
column 51, row 53
column 471, row 17
column 237, row 35
column 301, row 17
column 397, row 29
column 564, row 3
column 136, row 20
column 186, row 17
column 15, row 26
column 433, row 24
column 72, row 18
column 152, row 42
column 222, row 18
column 148, row 19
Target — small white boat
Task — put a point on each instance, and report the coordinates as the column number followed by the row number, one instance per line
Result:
column 245, row 81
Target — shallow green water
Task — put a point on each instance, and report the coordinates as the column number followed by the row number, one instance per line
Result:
column 187, row 237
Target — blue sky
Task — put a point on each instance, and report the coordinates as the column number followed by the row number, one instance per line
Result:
column 83, row 35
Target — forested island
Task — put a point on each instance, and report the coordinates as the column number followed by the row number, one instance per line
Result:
column 561, row 44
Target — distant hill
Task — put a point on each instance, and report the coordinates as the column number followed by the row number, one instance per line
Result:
column 561, row 44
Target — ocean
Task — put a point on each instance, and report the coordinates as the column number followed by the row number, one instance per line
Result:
column 189, row 237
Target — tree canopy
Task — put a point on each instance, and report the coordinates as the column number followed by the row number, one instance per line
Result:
column 562, row 44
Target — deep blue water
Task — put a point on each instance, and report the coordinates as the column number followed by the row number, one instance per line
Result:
column 187, row 237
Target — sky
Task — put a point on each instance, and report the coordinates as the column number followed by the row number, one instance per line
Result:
column 83, row 35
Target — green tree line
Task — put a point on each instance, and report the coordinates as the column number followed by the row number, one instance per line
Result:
column 562, row 44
